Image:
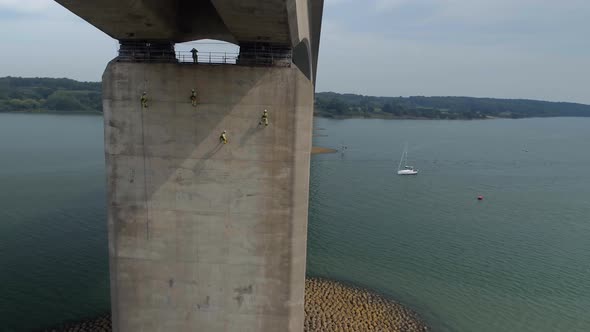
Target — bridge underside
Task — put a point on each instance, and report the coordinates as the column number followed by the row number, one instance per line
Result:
column 292, row 23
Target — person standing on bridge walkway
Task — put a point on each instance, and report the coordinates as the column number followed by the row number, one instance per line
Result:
column 195, row 55
column 223, row 137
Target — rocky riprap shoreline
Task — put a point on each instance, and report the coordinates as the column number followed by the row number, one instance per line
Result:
column 99, row 324
column 334, row 307
column 329, row 307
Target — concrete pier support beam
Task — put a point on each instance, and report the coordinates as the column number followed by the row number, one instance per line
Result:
column 205, row 236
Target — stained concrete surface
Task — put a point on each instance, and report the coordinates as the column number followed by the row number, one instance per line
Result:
column 205, row 236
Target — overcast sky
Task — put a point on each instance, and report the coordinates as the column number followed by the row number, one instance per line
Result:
column 536, row 49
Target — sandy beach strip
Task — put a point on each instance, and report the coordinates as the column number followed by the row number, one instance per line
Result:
column 320, row 150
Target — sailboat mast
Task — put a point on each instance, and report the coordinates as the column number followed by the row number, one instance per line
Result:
column 404, row 154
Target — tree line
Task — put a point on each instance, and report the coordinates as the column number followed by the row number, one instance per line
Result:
column 335, row 105
column 49, row 94
column 61, row 94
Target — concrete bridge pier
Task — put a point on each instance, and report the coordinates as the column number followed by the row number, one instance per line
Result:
column 206, row 236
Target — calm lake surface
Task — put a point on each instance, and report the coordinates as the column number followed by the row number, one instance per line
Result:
column 517, row 261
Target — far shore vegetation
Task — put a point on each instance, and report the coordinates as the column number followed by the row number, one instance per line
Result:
column 336, row 105
column 49, row 94
column 66, row 95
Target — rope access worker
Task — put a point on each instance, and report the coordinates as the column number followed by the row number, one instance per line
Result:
column 194, row 98
column 223, row 137
column 195, row 55
column 144, row 100
column 264, row 118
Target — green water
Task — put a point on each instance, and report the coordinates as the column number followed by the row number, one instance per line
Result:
column 53, row 243
column 517, row 261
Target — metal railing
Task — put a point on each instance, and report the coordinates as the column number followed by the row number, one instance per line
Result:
column 208, row 57
column 278, row 59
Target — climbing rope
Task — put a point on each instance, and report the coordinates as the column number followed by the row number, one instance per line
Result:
column 145, row 192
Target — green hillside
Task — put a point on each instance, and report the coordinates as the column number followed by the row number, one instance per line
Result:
column 48, row 94
column 65, row 95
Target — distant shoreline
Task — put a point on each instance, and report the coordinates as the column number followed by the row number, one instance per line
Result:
column 392, row 117
column 323, row 116
column 386, row 117
column 39, row 94
column 54, row 112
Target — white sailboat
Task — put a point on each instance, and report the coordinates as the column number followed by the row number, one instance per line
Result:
column 407, row 170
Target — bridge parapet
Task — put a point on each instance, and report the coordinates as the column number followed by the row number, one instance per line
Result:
column 250, row 54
